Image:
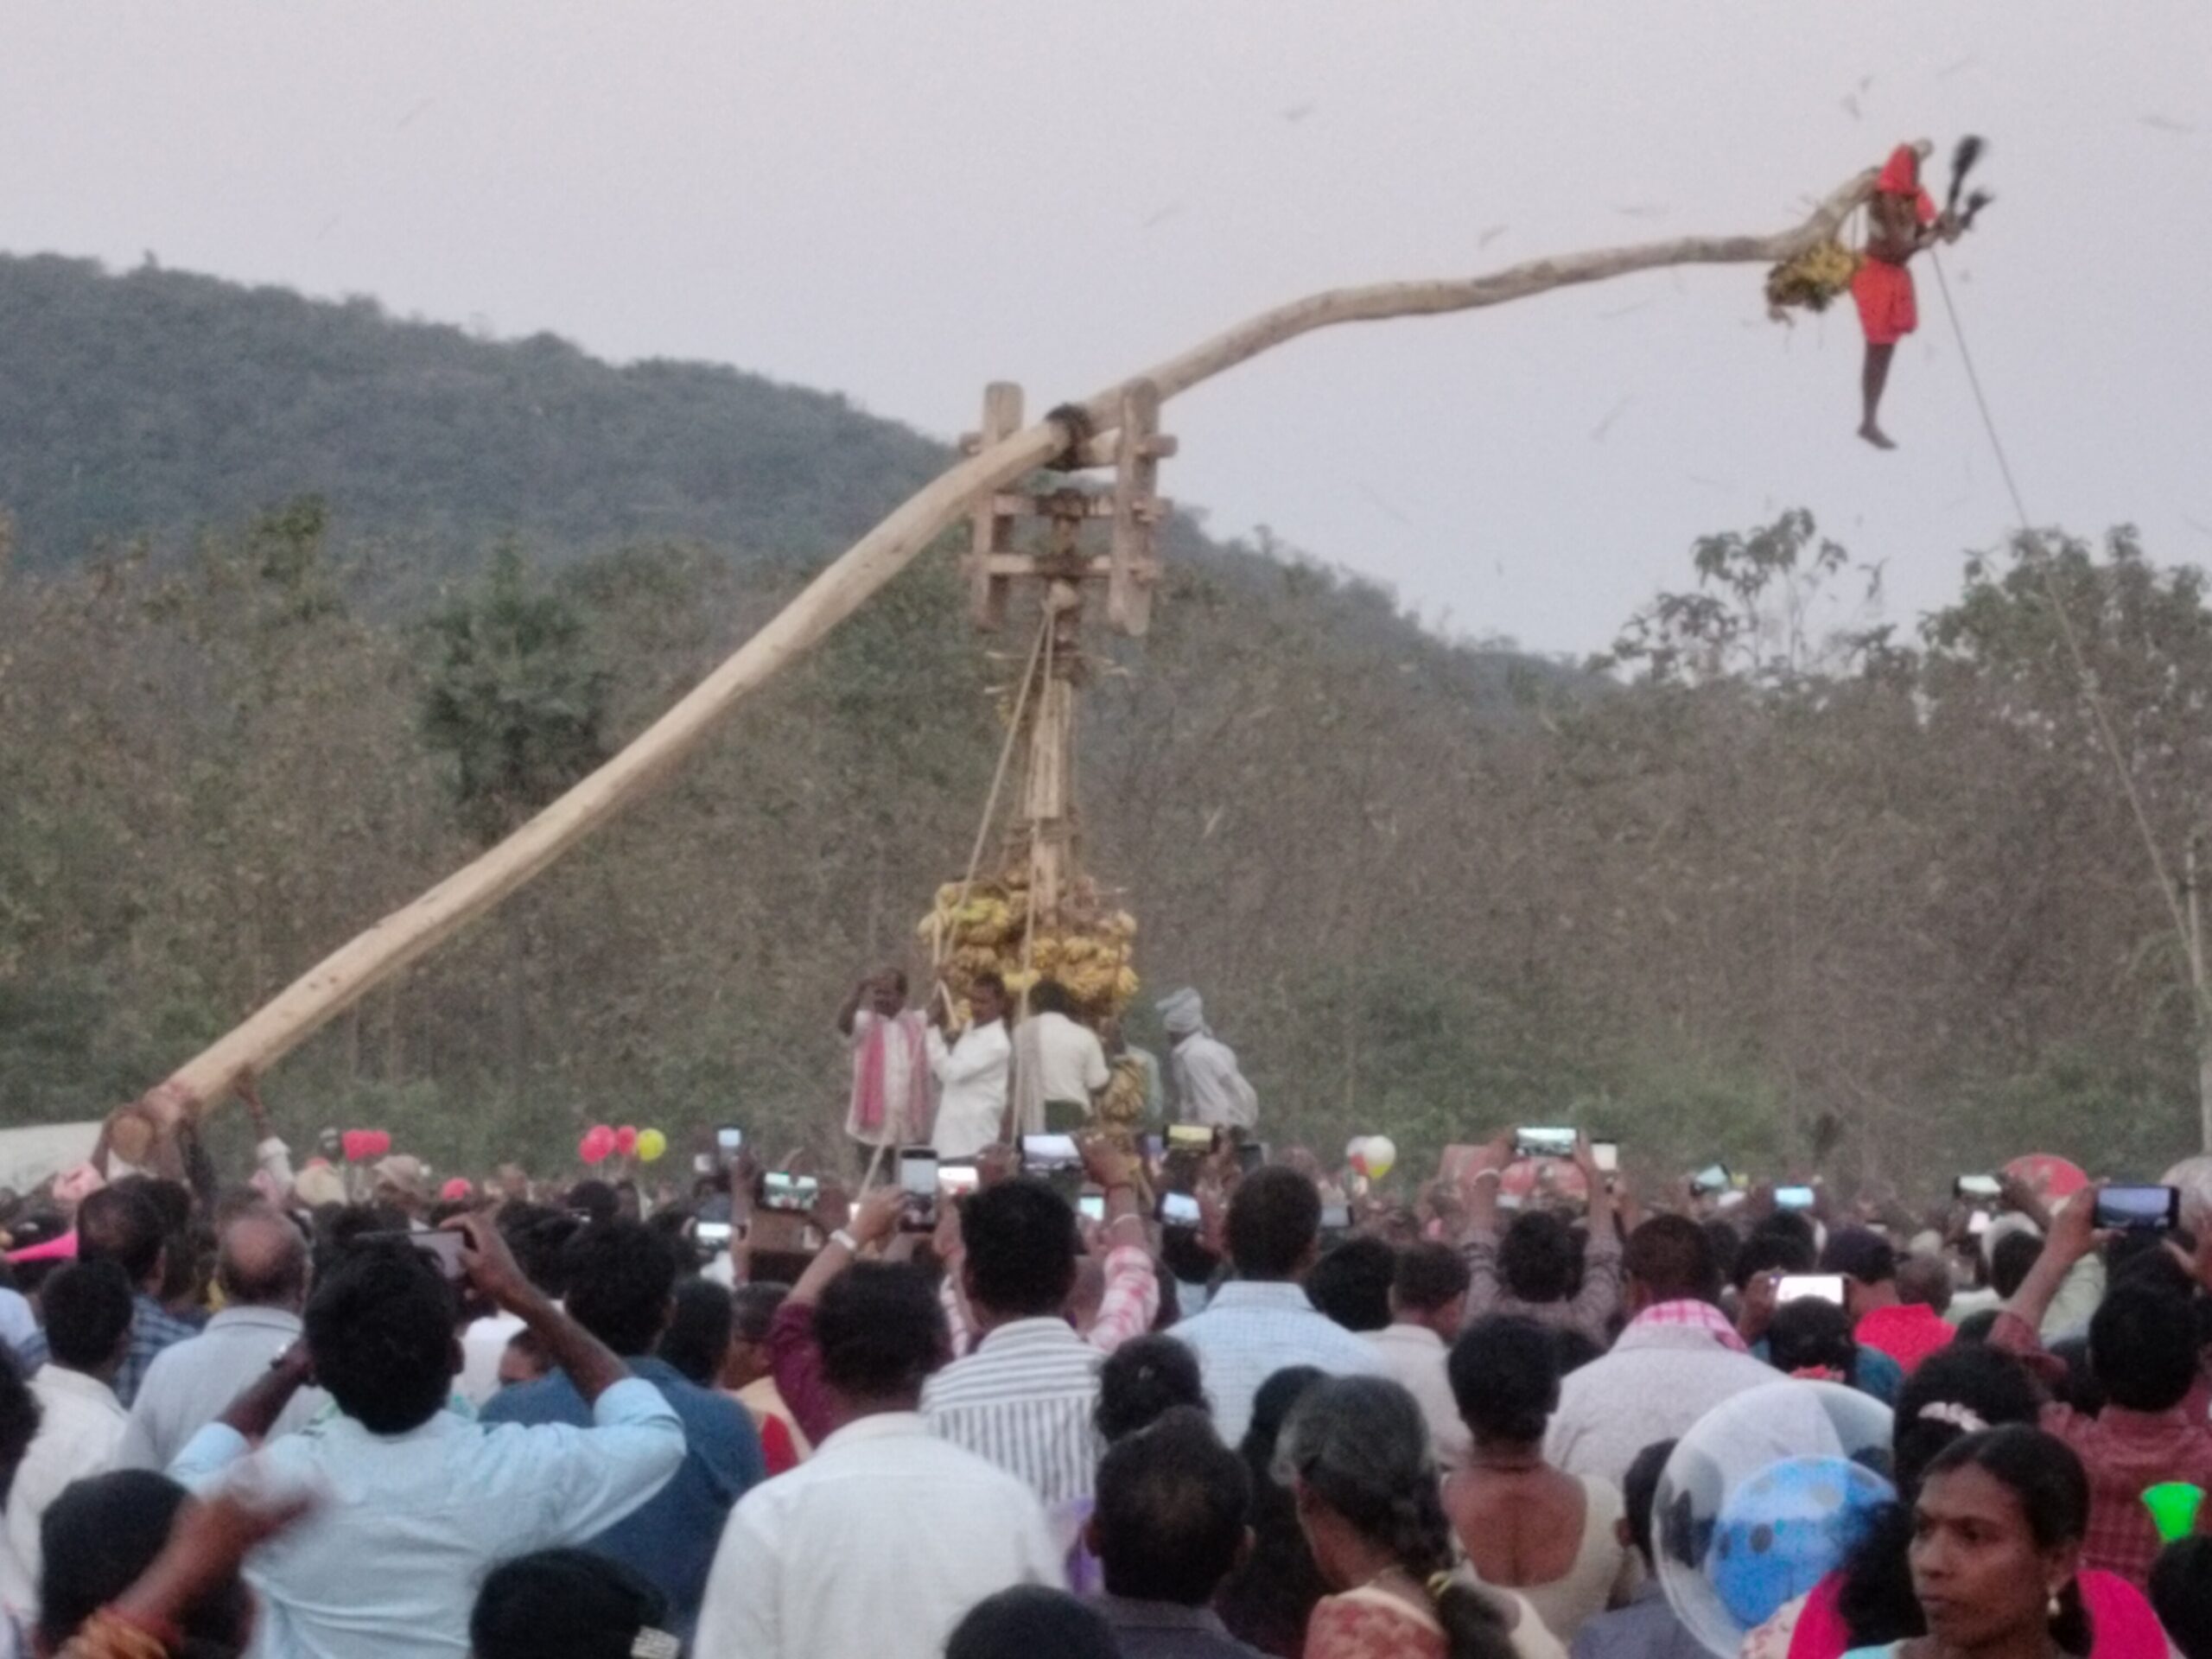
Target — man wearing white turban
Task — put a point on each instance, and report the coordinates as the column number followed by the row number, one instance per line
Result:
column 1210, row 1088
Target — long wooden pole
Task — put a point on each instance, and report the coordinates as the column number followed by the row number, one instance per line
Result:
column 410, row 933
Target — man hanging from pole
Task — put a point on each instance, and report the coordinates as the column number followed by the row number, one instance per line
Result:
column 1901, row 219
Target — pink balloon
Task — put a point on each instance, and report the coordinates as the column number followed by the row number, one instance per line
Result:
column 595, row 1145
column 625, row 1140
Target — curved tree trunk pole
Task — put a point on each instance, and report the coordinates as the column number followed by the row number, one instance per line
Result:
column 343, row 978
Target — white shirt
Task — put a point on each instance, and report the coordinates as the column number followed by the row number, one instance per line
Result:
column 191, row 1384
column 1657, row 1381
column 76, row 1436
column 1025, row 1400
column 971, row 1080
column 1250, row 1331
column 872, row 1548
column 483, row 1345
column 1054, row 1059
column 1209, row 1086
column 408, row 1523
column 903, row 1115
column 1416, row 1356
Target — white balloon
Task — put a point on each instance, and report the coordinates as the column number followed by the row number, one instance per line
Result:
column 1381, row 1154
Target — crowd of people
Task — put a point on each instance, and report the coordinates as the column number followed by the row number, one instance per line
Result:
column 339, row 1411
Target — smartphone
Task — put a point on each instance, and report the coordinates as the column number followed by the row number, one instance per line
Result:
column 444, row 1250
column 703, row 1164
column 1044, row 1153
column 1091, row 1206
column 1978, row 1187
column 1192, row 1137
column 1153, row 1146
column 918, row 1181
column 957, row 1178
column 712, row 1235
column 1815, row 1287
column 1606, row 1154
column 1713, row 1177
column 1792, row 1198
column 1179, row 1210
column 2146, row 1208
column 1335, row 1217
column 781, row 1190
column 1543, row 1143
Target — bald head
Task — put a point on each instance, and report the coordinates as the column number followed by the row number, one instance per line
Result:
column 262, row 1261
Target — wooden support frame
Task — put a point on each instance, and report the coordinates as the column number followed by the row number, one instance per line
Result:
column 1133, row 562
column 991, row 522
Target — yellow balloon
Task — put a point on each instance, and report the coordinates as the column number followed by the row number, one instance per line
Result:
column 651, row 1144
column 1382, row 1155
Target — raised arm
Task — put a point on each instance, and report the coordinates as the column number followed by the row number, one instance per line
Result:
column 590, row 1364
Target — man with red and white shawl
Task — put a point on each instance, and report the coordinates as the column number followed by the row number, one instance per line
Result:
column 1901, row 219
column 892, row 1102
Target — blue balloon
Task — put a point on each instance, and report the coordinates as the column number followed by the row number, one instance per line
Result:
column 1786, row 1528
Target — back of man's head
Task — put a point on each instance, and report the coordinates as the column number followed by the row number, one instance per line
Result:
column 620, row 1275
column 1429, row 1278
column 261, row 1261
column 1925, row 1281
column 1639, row 1495
column 1021, row 1245
column 1670, row 1259
column 753, row 1309
column 2181, row 1594
column 88, row 1310
column 1772, row 1249
column 882, row 1332
column 537, row 1233
column 1173, row 1501
column 1859, row 1253
column 99, row 1536
column 2010, row 1263
column 379, row 1330
column 1274, row 1220
column 1351, row 1283
column 2142, row 1347
column 1538, row 1257
column 121, row 1225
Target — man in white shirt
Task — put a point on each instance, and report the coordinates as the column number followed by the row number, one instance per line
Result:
column 1428, row 1304
column 1059, row 1067
column 1209, row 1087
column 1679, row 1357
column 260, row 1266
column 88, row 1313
column 972, row 1073
column 890, row 1103
column 1261, row 1321
column 417, row 1503
column 877, row 1545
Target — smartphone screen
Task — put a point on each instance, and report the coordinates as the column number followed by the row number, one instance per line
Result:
column 1050, row 1152
column 1713, row 1177
column 918, row 1174
column 1179, row 1210
column 730, row 1140
column 1152, row 1146
column 2132, row 1207
column 1818, row 1287
column 443, row 1249
column 957, row 1178
column 1251, row 1155
column 1092, row 1206
column 781, row 1190
column 1977, row 1186
column 714, row 1234
column 1192, row 1137
column 1544, row 1143
column 1606, row 1154
column 1792, row 1198
column 1335, row 1217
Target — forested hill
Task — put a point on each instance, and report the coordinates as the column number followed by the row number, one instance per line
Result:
column 161, row 401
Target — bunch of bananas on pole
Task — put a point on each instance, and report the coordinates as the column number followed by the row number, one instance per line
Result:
column 1813, row 279
column 985, row 928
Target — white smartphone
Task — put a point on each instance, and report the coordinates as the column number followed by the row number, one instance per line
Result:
column 1817, row 1286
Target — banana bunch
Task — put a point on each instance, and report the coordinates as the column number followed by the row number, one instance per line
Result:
column 1813, row 279
column 986, row 929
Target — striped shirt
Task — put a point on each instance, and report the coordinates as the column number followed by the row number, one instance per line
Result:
column 1024, row 1400
column 1251, row 1330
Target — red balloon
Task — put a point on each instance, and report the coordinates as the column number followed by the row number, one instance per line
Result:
column 625, row 1140
column 2052, row 1177
column 592, row 1149
column 380, row 1143
column 354, row 1143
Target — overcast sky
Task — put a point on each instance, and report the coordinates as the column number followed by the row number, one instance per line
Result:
column 900, row 201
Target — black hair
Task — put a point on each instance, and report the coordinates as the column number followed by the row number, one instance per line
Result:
column 1142, row 1379
column 2181, row 1594
column 537, row 1234
column 2042, row 1471
column 564, row 1604
column 2009, row 1263
column 1538, row 1258
column 1573, row 1348
column 1430, row 1276
column 2143, row 1345
column 20, row 1412
column 1640, row 1494
column 380, row 1329
column 343, row 1229
column 1184, row 1254
column 620, row 1275
column 753, row 1309
column 1724, row 1239
column 880, row 1330
column 1808, row 1333
column 88, row 1312
column 1672, row 1258
column 1859, row 1253
column 1274, row 1219
column 99, row 1536
column 1022, row 1246
column 988, row 978
column 1029, row 1620
column 696, row 1341
column 1977, row 1326
column 1360, row 1446
column 1924, row 1281
column 1966, row 1384
column 1505, row 1375
column 122, row 1224
column 1172, row 1504
column 1773, row 1249
column 1267, row 1601
column 1351, row 1283
column 593, row 1200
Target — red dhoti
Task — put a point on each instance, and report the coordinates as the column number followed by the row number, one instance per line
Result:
column 1887, row 310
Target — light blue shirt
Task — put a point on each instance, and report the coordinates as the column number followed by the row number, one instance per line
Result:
column 1250, row 1331
column 409, row 1524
